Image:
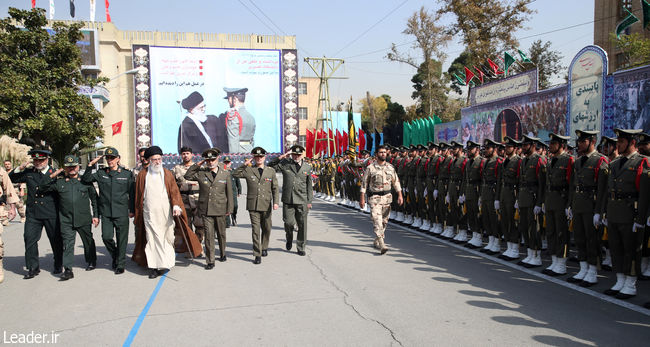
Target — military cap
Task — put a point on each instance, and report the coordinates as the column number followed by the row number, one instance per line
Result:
column 541, row 144
column 211, row 153
column 627, row 133
column 387, row 147
column 432, row 145
column 509, row 141
column 412, row 148
column 258, row 152
column 529, row 139
column 234, row 92
column 585, row 135
column 151, row 151
column 608, row 140
column 70, row 160
column 112, row 152
column 490, row 143
column 365, row 151
column 226, row 159
column 192, row 101
column 297, row 149
column 471, row 144
column 644, row 138
column 569, row 147
column 403, row 148
column 455, row 144
column 421, row 148
column 558, row 138
column 39, row 153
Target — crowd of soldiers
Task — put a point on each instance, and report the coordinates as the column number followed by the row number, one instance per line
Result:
column 496, row 197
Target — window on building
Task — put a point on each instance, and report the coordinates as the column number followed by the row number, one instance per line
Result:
column 302, row 88
column 302, row 112
column 302, row 140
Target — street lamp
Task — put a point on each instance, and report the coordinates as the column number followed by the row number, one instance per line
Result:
column 128, row 72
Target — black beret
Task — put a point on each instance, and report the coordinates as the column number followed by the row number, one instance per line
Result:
column 192, row 101
column 185, row 149
column 151, row 151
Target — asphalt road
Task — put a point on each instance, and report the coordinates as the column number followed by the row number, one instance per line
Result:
column 423, row 292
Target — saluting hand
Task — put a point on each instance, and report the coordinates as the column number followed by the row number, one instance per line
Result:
column 94, row 161
column 56, row 173
column 248, row 161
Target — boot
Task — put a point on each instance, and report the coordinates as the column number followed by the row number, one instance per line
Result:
column 391, row 215
column 426, row 225
column 560, row 267
column 607, row 262
column 549, row 269
column 496, row 246
column 591, row 277
column 644, row 264
column 376, row 242
column 629, row 288
column 476, row 241
column 536, row 259
column 400, row 217
column 417, row 223
column 581, row 274
column 437, row 228
column 529, row 256
column 382, row 246
column 461, row 237
column 408, row 220
column 489, row 244
column 506, row 253
column 67, row 274
column 514, row 252
column 620, row 280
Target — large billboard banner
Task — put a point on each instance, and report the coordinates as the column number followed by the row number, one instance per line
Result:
column 586, row 87
column 224, row 98
column 630, row 98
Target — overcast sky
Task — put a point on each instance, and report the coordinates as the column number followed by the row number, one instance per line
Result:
column 360, row 32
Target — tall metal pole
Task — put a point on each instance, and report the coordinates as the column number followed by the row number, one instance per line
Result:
column 324, row 68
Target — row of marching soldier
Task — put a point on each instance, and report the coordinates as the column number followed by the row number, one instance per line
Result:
column 496, row 197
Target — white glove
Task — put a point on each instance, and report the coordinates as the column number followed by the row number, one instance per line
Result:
column 636, row 227
column 516, row 204
column 479, row 202
column 543, row 208
column 568, row 212
column 497, row 205
column 605, row 221
column 435, row 194
column 447, row 198
column 537, row 210
column 425, row 192
column 596, row 220
column 461, row 199
column 415, row 190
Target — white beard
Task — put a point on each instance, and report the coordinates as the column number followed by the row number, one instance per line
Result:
column 199, row 116
column 155, row 168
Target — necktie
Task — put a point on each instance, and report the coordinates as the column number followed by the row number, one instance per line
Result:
column 260, row 170
column 214, row 174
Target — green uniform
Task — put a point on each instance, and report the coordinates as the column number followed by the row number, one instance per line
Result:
column 116, row 201
column 262, row 194
column 507, row 190
column 236, row 191
column 489, row 178
column 530, row 195
column 431, row 167
column 443, row 187
column 587, row 196
column 471, row 189
column 75, row 216
column 456, row 176
column 420, row 184
column 411, row 186
column 296, row 194
column 215, row 203
column 557, row 174
column 41, row 212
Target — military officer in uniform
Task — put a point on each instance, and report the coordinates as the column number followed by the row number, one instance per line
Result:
column 297, row 194
column 530, row 199
column 236, row 192
column 189, row 192
column 41, row 212
column 445, row 230
column 506, row 195
column 470, row 192
column 587, row 196
column 454, row 195
column 9, row 197
column 75, row 215
column 240, row 124
column 624, row 222
column 489, row 179
column 378, row 179
column 116, row 204
column 261, row 198
column 215, row 201
column 611, row 151
column 557, row 174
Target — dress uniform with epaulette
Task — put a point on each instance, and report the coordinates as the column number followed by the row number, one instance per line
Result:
column 445, row 230
column 530, row 201
column 236, row 191
column 507, row 194
column 557, row 174
column 587, row 196
column 471, row 193
column 490, row 172
column 41, row 212
column 116, row 205
column 421, row 188
column 215, row 203
column 624, row 224
column 297, row 195
column 457, row 218
column 190, row 194
column 261, row 198
column 77, row 202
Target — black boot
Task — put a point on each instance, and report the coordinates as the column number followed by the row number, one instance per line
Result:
column 67, row 275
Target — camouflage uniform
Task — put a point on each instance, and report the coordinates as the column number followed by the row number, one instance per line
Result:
column 190, row 194
column 379, row 179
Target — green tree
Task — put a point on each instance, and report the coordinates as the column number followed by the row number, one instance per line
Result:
column 39, row 79
column 432, row 98
column 395, row 112
column 548, row 61
column 430, row 40
column 634, row 47
column 457, row 67
column 378, row 105
column 486, row 28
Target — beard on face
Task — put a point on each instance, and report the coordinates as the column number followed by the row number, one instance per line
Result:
column 155, row 167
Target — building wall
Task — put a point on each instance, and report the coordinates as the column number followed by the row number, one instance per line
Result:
column 607, row 14
column 115, row 58
column 310, row 102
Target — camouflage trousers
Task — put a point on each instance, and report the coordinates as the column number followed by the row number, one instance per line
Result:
column 379, row 211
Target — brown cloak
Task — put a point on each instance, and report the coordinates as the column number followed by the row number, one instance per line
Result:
column 181, row 225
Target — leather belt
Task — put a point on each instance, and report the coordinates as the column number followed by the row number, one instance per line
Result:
column 585, row 189
column 529, row 185
column 558, row 188
column 379, row 193
column 623, row 196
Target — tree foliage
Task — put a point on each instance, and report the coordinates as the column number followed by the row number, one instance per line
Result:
column 395, row 112
column 432, row 98
column 39, row 80
column 379, row 106
column 634, row 47
column 486, row 28
column 548, row 61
